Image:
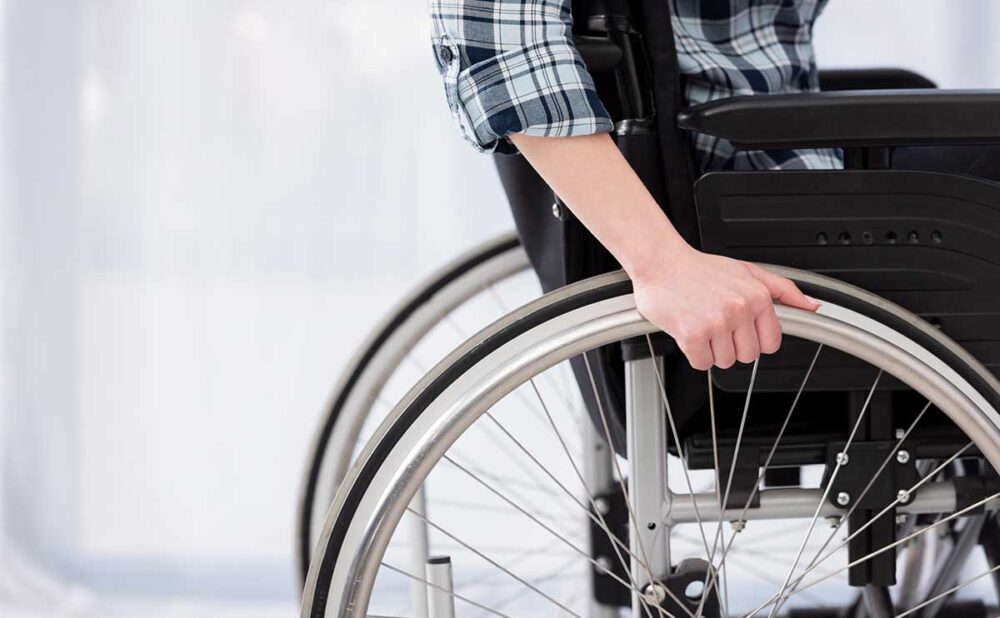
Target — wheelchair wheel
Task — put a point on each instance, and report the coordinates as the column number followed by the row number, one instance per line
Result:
column 671, row 536
column 358, row 402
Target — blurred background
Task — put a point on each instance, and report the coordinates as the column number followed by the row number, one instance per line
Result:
column 203, row 207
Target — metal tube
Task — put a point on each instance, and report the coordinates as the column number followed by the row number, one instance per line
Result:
column 419, row 550
column 440, row 588
column 786, row 503
column 645, row 425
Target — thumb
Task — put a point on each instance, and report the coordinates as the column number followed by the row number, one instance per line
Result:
column 784, row 290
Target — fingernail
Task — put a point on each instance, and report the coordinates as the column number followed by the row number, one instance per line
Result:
column 813, row 300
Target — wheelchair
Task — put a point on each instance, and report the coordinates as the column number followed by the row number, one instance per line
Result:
column 563, row 459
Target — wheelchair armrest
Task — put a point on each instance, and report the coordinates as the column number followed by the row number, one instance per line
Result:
column 831, row 80
column 850, row 119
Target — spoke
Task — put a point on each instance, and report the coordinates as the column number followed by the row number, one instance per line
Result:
column 537, row 463
column 504, row 310
column 711, row 579
column 826, row 493
column 680, row 451
column 871, row 483
column 445, row 590
column 767, row 461
column 511, row 455
column 493, row 508
column 633, row 521
column 764, row 575
column 950, row 591
column 954, row 562
column 493, row 562
column 496, row 549
column 718, row 489
column 777, row 599
column 545, row 527
column 594, row 516
column 556, row 574
column 520, row 557
column 710, row 554
column 927, row 478
column 514, row 487
column 601, row 522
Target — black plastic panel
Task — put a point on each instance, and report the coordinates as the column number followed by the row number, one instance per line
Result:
column 925, row 240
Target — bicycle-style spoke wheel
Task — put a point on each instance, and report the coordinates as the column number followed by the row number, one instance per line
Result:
column 852, row 474
column 442, row 311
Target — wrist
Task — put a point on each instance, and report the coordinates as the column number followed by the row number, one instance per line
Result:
column 655, row 250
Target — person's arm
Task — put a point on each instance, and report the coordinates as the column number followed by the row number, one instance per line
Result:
column 718, row 310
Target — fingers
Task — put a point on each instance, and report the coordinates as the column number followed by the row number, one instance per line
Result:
column 745, row 340
column 783, row 290
column 698, row 352
column 768, row 331
column 723, row 351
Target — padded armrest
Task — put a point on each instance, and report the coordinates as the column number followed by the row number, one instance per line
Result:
column 859, row 118
column 871, row 79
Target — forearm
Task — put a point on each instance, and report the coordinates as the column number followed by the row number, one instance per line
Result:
column 598, row 185
column 718, row 310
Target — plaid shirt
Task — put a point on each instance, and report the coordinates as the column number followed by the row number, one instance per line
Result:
column 509, row 66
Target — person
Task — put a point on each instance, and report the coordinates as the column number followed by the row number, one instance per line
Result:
column 515, row 83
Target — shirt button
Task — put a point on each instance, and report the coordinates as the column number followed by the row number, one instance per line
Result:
column 445, row 54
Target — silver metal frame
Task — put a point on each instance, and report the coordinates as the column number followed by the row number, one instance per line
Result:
column 647, row 459
column 340, row 449
column 567, row 335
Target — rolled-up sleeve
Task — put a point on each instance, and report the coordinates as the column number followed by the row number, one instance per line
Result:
column 509, row 66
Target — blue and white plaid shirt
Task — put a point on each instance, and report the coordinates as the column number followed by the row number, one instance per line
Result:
column 509, row 66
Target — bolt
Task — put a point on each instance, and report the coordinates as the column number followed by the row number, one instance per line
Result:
column 903, row 496
column 903, row 457
column 843, row 498
column 738, row 525
column 603, row 564
column 602, row 506
column 654, row 593
column 556, row 210
column 834, row 521
column 842, row 459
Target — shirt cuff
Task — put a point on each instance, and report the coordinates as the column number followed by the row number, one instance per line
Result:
column 542, row 90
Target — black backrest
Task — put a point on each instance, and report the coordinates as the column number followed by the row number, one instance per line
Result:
column 645, row 92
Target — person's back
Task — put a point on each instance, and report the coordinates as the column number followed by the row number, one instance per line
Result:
column 515, row 82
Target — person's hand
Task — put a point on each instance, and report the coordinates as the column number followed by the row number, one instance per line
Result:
column 719, row 310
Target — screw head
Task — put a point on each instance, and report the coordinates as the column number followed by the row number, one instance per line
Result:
column 903, row 496
column 654, row 593
column 604, row 565
column 903, row 457
column 843, row 498
column 842, row 459
column 602, row 506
